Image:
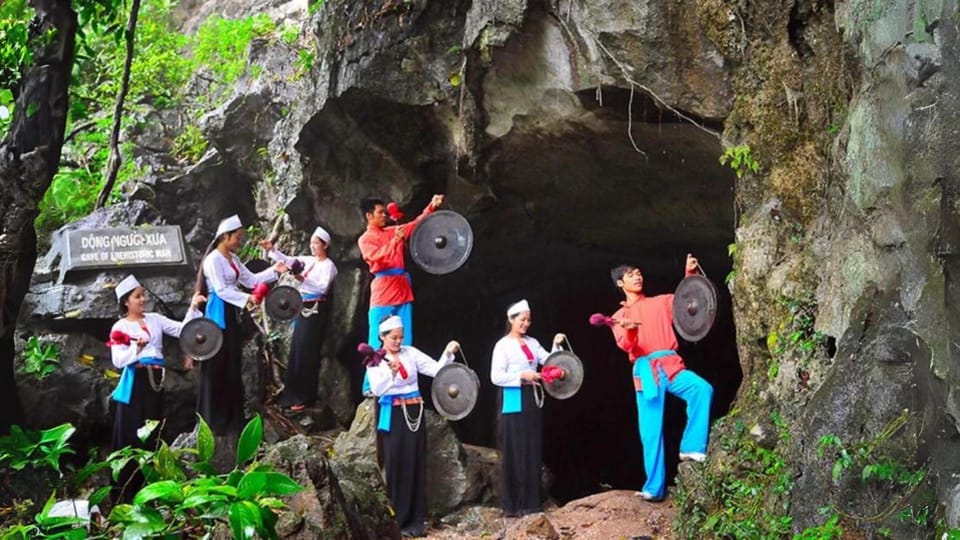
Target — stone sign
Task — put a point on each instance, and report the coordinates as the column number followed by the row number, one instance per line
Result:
column 111, row 248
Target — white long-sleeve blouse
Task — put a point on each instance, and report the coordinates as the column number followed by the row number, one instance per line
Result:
column 509, row 360
column 153, row 329
column 224, row 274
column 317, row 275
column 383, row 381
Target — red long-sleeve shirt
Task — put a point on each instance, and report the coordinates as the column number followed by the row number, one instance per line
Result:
column 653, row 333
column 382, row 253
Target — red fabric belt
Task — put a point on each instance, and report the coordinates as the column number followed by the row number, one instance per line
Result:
column 408, row 401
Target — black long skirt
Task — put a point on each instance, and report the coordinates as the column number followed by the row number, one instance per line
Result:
column 303, row 368
column 521, row 456
column 405, row 464
column 220, row 398
column 145, row 404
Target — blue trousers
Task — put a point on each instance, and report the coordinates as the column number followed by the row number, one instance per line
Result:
column 374, row 316
column 698, row 393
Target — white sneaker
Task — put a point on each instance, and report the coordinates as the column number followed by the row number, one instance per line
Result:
column 648, row 497
column 699, row 457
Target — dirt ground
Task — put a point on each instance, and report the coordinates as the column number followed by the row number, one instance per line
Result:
column 609, row 515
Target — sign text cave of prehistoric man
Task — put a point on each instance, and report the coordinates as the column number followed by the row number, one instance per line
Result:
column 109, row 248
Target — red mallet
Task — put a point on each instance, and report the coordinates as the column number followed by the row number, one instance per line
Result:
column 260, row 292
column 599, row 319
column 118, row 338
column 394, row 210
column 296, row 267
column 552, row 373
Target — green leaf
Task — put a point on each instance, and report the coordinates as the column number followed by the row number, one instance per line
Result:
column 245, row 520
column 165, row 490
column 167, row 464
column 97, row 496
column 249, row 440
column 251, row 484
column 202, row 499
column 146, row 429
column 280, row 484
column 205, row 440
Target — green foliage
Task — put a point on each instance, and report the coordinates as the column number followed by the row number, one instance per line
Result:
column 314, row 7
column 829, row 530
column 304, row 62
column 191, row 144
column 875, row 469
column 289, row 34
column 39, row 359
column 183, row 496
column 221, row 44
column 740, row 160
column 35, row 449
column 751, row 499
column 166, row 61
column 15, row 16
column 795, row 333
column 251, row 248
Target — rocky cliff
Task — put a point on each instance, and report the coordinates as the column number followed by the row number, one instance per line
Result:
column 578, row 135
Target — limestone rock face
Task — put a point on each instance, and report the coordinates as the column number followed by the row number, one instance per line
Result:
column 576, row 136
column 456, row 474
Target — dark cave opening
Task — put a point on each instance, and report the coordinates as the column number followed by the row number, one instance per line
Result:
column 554, row 204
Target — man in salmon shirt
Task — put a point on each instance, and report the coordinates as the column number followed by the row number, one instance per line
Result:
column 382, row 249
column 643, row 328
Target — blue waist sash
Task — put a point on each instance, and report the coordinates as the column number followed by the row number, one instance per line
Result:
column 216, row 310
column 125, row 386
column 386, row 408
column 512, row 400
column 313, row 297
column 643, row 369
column 390, row 272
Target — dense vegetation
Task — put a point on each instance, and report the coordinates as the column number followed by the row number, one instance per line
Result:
column 167, row 68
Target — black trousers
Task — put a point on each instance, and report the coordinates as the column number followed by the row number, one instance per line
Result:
column 405, row 464
column 521, row 455
column 303, row 367
column 220, row 398
column 145, row 404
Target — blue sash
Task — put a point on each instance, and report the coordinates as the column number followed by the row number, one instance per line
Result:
column 125, row 386
column 390, row 272
column 216, row 310
column 313, row 297
column 386, row 408
column 512, row 400
column 643, row 369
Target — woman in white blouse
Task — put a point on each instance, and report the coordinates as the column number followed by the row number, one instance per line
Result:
column 394, row 381
column 315, row 277
column 514, row 367
column 136, row 347
column 220, row 398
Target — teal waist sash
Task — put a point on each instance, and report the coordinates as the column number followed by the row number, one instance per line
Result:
column 125, row 386
column 643, row 370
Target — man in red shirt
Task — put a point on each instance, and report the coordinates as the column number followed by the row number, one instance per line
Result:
column 382, row 249
column 643, row 328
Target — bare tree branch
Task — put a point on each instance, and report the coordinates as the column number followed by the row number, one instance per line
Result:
column 113, row 164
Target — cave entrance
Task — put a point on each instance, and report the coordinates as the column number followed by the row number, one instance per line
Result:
column 573, row 198
column 555, row 202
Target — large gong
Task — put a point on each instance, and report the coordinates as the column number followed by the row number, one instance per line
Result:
column 283, row 302
column 455, row 390
column 201, row 339
column 569, row 383
column 442, row 242
column 694, row 307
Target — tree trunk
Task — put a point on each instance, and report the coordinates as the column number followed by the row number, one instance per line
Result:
column 113, row 165
column 29, row 157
